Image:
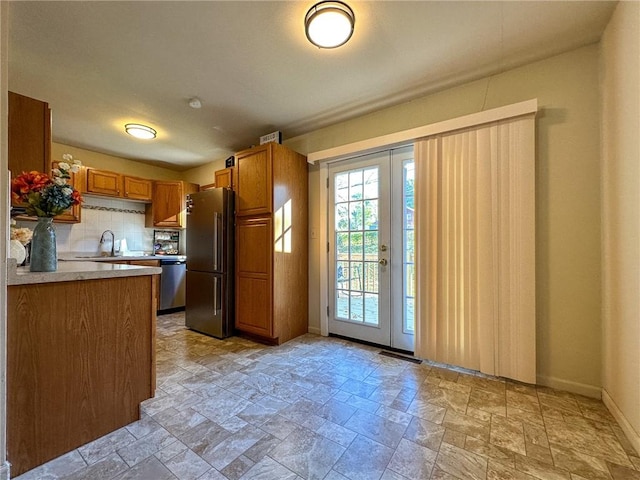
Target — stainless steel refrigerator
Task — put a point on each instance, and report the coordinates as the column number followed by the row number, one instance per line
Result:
column 210, row 262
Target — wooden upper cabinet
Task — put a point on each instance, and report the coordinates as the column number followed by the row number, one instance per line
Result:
column 112, row 184
column 254, row 181
column 168, row 205
column 224, row 178
column 137, row 188
column 102, row 182
column 29, row 134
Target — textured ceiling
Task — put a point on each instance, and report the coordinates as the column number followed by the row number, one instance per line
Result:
column 102, row 64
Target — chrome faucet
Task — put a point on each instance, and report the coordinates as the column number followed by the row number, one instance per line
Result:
column 113, row 242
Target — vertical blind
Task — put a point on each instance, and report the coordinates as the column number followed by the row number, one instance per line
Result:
column 475, row 248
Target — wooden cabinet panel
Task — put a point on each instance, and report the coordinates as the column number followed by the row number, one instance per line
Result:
column 253, row 314
column 80, row 359
column 168, row 204
column 254, row 245
column 254, row 182
column 138, row 188
column 102, row 182
column 253, row 277
column 224, row 178
column 29, row 134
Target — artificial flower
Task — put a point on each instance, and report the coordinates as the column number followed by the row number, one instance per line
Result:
column 47, row 196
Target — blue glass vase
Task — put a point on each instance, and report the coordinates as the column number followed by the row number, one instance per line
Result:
column 44, row 257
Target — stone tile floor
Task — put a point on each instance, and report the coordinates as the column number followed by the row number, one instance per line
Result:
column 325, row 408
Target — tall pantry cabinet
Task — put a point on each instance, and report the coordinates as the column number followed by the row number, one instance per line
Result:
column 271, row 243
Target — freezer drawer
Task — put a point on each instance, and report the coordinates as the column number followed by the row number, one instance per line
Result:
column 207, row 310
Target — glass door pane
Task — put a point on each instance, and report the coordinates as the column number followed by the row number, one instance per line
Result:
column 360, row 298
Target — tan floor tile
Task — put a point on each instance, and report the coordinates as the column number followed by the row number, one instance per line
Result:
column 524, row 416
column 539, row 453
column 467, row 425
column 540, row 470
column 507, row 434
column 492, row 403
column 461, row 463
column 623, row 473
column 455, row 438
column 485, row 449
column 497, row 470
column 523, row 401
column 238, row 404
column 580, row 463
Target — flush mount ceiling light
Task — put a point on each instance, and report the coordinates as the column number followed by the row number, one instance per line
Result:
column 140, row 131
column 329, row 24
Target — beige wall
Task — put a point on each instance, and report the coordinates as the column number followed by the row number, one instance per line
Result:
column 113, row 163
column 621, row 216
column 567, row 204
column 203, row 175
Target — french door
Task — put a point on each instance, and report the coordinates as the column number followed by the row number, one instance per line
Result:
column 371, row 271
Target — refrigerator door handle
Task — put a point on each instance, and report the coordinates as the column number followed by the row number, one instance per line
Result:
column 215, row 241
column 215, row 295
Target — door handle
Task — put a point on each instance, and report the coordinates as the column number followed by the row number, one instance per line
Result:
column 383, row 262
column 215, row 241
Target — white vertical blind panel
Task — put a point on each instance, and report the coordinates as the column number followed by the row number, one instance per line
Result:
column 475, row 242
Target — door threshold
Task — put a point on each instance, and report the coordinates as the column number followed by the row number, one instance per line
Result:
column 386, row 350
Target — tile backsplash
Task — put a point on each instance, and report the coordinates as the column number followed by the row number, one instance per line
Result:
column 126, row 220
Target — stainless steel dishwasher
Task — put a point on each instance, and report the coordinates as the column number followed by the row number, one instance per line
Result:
column 172, row 284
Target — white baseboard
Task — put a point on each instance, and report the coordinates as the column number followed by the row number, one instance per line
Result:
column 629, row 431
column 569, row 386
column 4, row 471
column 314, row 330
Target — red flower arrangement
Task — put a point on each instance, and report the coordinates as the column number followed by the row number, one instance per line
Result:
column 47, row 196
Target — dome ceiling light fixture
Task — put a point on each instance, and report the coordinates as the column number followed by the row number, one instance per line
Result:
column 140, row 131
column 329, row 24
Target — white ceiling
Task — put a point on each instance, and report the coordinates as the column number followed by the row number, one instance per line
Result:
column 102, row 64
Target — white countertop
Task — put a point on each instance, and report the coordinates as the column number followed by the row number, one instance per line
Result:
column 74, row 271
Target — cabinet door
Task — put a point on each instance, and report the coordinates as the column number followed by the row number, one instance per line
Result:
column 73, row 214
column 254, row 266
column 137, row 188
column 168, row 203
column 224, row 178
column 102, row 182
column 29, row 134
column 253, row 177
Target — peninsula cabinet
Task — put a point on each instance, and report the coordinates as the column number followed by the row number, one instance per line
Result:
column 271, row 187
column 29, row 134
column 80, row 360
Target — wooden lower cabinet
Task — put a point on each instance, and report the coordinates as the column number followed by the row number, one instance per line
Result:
column 254, row 276
column 80, row 359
